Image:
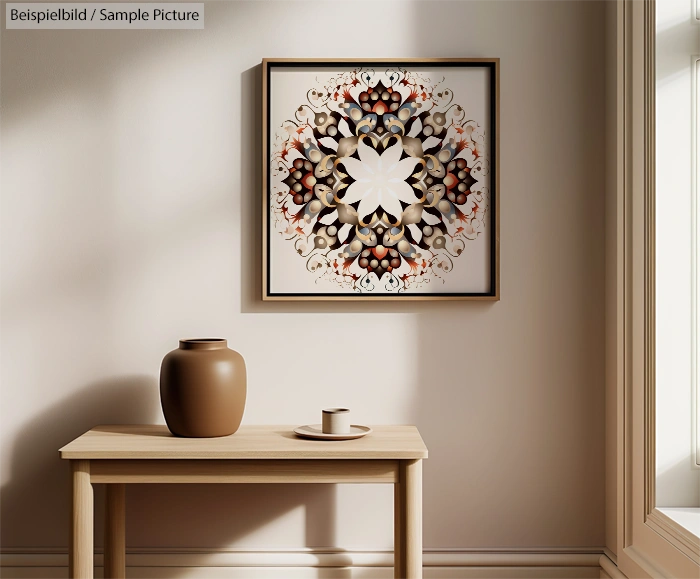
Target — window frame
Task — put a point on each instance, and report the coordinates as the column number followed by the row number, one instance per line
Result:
column 643, row 542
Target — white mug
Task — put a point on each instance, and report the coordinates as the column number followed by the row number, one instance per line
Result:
column 336, row 421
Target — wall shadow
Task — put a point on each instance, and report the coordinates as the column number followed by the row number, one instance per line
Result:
column 36, row 500
column 474, row 412
column 87, row 61
column 37, row 497
column 510, row 395
column 214, row 517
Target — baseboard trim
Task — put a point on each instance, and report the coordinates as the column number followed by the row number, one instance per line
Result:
column 554, row 563
column 316, row 558
column 609, row 567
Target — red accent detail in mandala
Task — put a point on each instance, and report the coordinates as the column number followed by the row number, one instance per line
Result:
column 380, row 108
column 305, row 180
column 380, row 253
column 450, row 181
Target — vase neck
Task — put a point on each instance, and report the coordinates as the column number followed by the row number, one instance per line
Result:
column 203, row 344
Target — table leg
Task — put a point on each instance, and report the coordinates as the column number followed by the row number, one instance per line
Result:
column 115, row 541
column 399, row 545
column 409, row 500
column 81, row 539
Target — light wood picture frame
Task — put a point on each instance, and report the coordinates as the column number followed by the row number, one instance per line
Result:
column 380, row 179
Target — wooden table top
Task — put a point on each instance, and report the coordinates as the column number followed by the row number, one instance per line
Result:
column 151, row 441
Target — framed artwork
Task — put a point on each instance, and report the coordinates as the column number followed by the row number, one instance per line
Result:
column 380, row 179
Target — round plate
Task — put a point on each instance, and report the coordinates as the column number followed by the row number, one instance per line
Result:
column 314, row 431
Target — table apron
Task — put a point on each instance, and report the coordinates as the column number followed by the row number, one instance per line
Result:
column 244, row 471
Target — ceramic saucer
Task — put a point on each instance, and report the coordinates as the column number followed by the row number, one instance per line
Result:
column 314, row 431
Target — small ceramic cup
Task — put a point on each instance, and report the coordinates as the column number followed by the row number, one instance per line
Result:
column 336, row 421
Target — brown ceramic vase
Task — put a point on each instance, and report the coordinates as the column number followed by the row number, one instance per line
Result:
column 203, row 389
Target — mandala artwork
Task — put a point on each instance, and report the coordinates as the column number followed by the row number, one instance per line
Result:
column 380, row 180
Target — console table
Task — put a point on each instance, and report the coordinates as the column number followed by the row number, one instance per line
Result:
column 119, row 455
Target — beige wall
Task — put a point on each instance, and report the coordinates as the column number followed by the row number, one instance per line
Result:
column 129, row 215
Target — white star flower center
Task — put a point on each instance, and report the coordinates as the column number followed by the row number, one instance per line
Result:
column 380, row 180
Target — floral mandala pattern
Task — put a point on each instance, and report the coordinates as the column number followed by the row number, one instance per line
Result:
column 379, row 181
